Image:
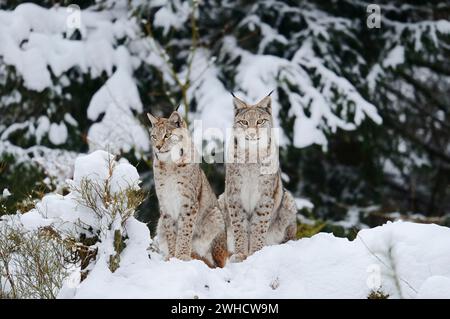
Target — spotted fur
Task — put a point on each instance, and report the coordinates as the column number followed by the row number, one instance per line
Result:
column 191, row 225
column 259, row 211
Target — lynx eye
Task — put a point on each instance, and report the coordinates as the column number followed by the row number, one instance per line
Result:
column 261, row 122
column 168, row 135
column 243, row 122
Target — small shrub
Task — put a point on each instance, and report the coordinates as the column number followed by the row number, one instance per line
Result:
column 112, row 210
column 377, row 294
column 33, row 264
column 307, row 230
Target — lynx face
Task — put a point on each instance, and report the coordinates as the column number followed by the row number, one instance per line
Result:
column 253, row 123
column 168, row 136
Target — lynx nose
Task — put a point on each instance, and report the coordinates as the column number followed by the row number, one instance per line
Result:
column 251, row 133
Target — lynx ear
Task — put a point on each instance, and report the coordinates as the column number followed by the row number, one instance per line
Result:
column 152, row 119
column 238, row 104
column 266, row 103
column 177, row 119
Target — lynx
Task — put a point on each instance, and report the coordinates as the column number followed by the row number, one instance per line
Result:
column 191, row 225
column 258, row 210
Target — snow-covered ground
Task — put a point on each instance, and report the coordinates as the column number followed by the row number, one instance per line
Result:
column 408, row 260
column 400, row 259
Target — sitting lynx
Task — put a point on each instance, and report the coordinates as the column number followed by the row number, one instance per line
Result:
column 191, row 224
column 259, row 211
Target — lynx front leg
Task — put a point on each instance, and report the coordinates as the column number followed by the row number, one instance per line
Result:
column 168, row 233
column 239, row 226
column 186, row 222
column 260, row 221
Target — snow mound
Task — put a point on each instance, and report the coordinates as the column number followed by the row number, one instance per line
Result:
column 94, row 166
column 400, row 259
column 435, row 287
column 396, row 258
column 67, row 213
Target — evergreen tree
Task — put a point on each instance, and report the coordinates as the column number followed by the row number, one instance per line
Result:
column 363, row 111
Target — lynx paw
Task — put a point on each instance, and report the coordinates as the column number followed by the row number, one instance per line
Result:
column 184, row 257
column 237, row 258
column 168, row 257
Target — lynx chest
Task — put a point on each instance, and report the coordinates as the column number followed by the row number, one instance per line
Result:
column 250, row 189
column 169, row 190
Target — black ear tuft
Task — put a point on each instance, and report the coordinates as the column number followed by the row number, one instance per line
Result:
column 270, row 93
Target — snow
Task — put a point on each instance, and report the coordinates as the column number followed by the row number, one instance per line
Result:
column 42, row 29
column 408, row 260
column 166, row 17
column 258, row 74
column 67, row 213
column 375, row 73
column 351, row 220
column 124, row 176
column 303, row 203
column 402, row 259
column 322, row 266
column 395, row 57
column 6, row 193
column 56, row 163
column 268, row 33
column 401, row 36
column 62, row 212
column 43, row 126
column 213, row 99
column 435, row 287
column 36, row 41
column 94, row 166
column 70, row 120
column 443, row 26
column 119, row 129
column 58, row 133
